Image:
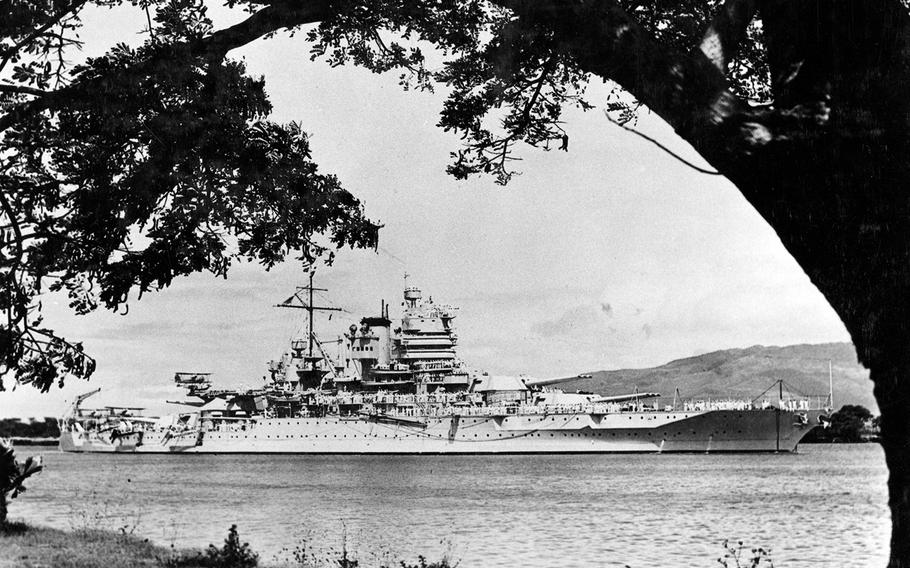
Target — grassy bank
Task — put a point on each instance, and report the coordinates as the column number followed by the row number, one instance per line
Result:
column 25, row 546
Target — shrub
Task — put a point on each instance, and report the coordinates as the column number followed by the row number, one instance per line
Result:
column 741, row 557
column 422, row 563
column 233, row 554
column 13, row 474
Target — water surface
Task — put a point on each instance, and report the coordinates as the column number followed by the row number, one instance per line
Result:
column 825, row 506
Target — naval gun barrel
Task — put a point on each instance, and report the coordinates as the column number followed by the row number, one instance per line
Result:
column 533, row 383
column 626, row 397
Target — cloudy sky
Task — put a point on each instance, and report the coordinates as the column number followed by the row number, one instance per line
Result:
column 612, row 255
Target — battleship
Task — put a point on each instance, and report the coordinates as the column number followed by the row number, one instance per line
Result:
column 402, row 389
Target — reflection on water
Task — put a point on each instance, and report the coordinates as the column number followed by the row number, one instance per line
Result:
column 825, row 506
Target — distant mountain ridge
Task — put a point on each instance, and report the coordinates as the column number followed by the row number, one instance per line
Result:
column 745, row 373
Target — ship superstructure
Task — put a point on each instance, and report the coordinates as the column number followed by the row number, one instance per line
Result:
column 418, row 356
column 399, row 387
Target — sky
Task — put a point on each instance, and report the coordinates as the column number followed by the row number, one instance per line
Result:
column 612, row 255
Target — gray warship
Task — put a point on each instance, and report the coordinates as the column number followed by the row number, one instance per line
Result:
column 401, row 389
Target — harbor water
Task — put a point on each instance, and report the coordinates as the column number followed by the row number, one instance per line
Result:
column 824, row 506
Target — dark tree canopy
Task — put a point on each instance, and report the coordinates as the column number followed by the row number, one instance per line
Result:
column 130, row 169
column 849, row 423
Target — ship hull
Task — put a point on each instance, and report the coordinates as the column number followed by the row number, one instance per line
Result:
column 628, row 432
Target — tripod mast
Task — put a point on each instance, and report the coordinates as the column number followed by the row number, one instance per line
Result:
column 307, row 305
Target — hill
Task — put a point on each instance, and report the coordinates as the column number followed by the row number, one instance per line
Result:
column 745, row 374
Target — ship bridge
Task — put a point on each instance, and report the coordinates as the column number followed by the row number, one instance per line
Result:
column 414, row 356
column 426, row 333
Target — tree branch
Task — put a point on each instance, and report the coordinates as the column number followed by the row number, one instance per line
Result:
column 686, row 90
column 11, row 52
column 22, row 90
column 279, row 15
column 529, row 107
column 727, row 31
column 661, row 146
column 17, row 230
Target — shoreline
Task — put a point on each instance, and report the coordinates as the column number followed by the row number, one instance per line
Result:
column 24, row 545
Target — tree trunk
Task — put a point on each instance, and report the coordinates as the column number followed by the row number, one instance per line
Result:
column 827, row 165
column 3, row 509
column 892, row 391
column 828, row 168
